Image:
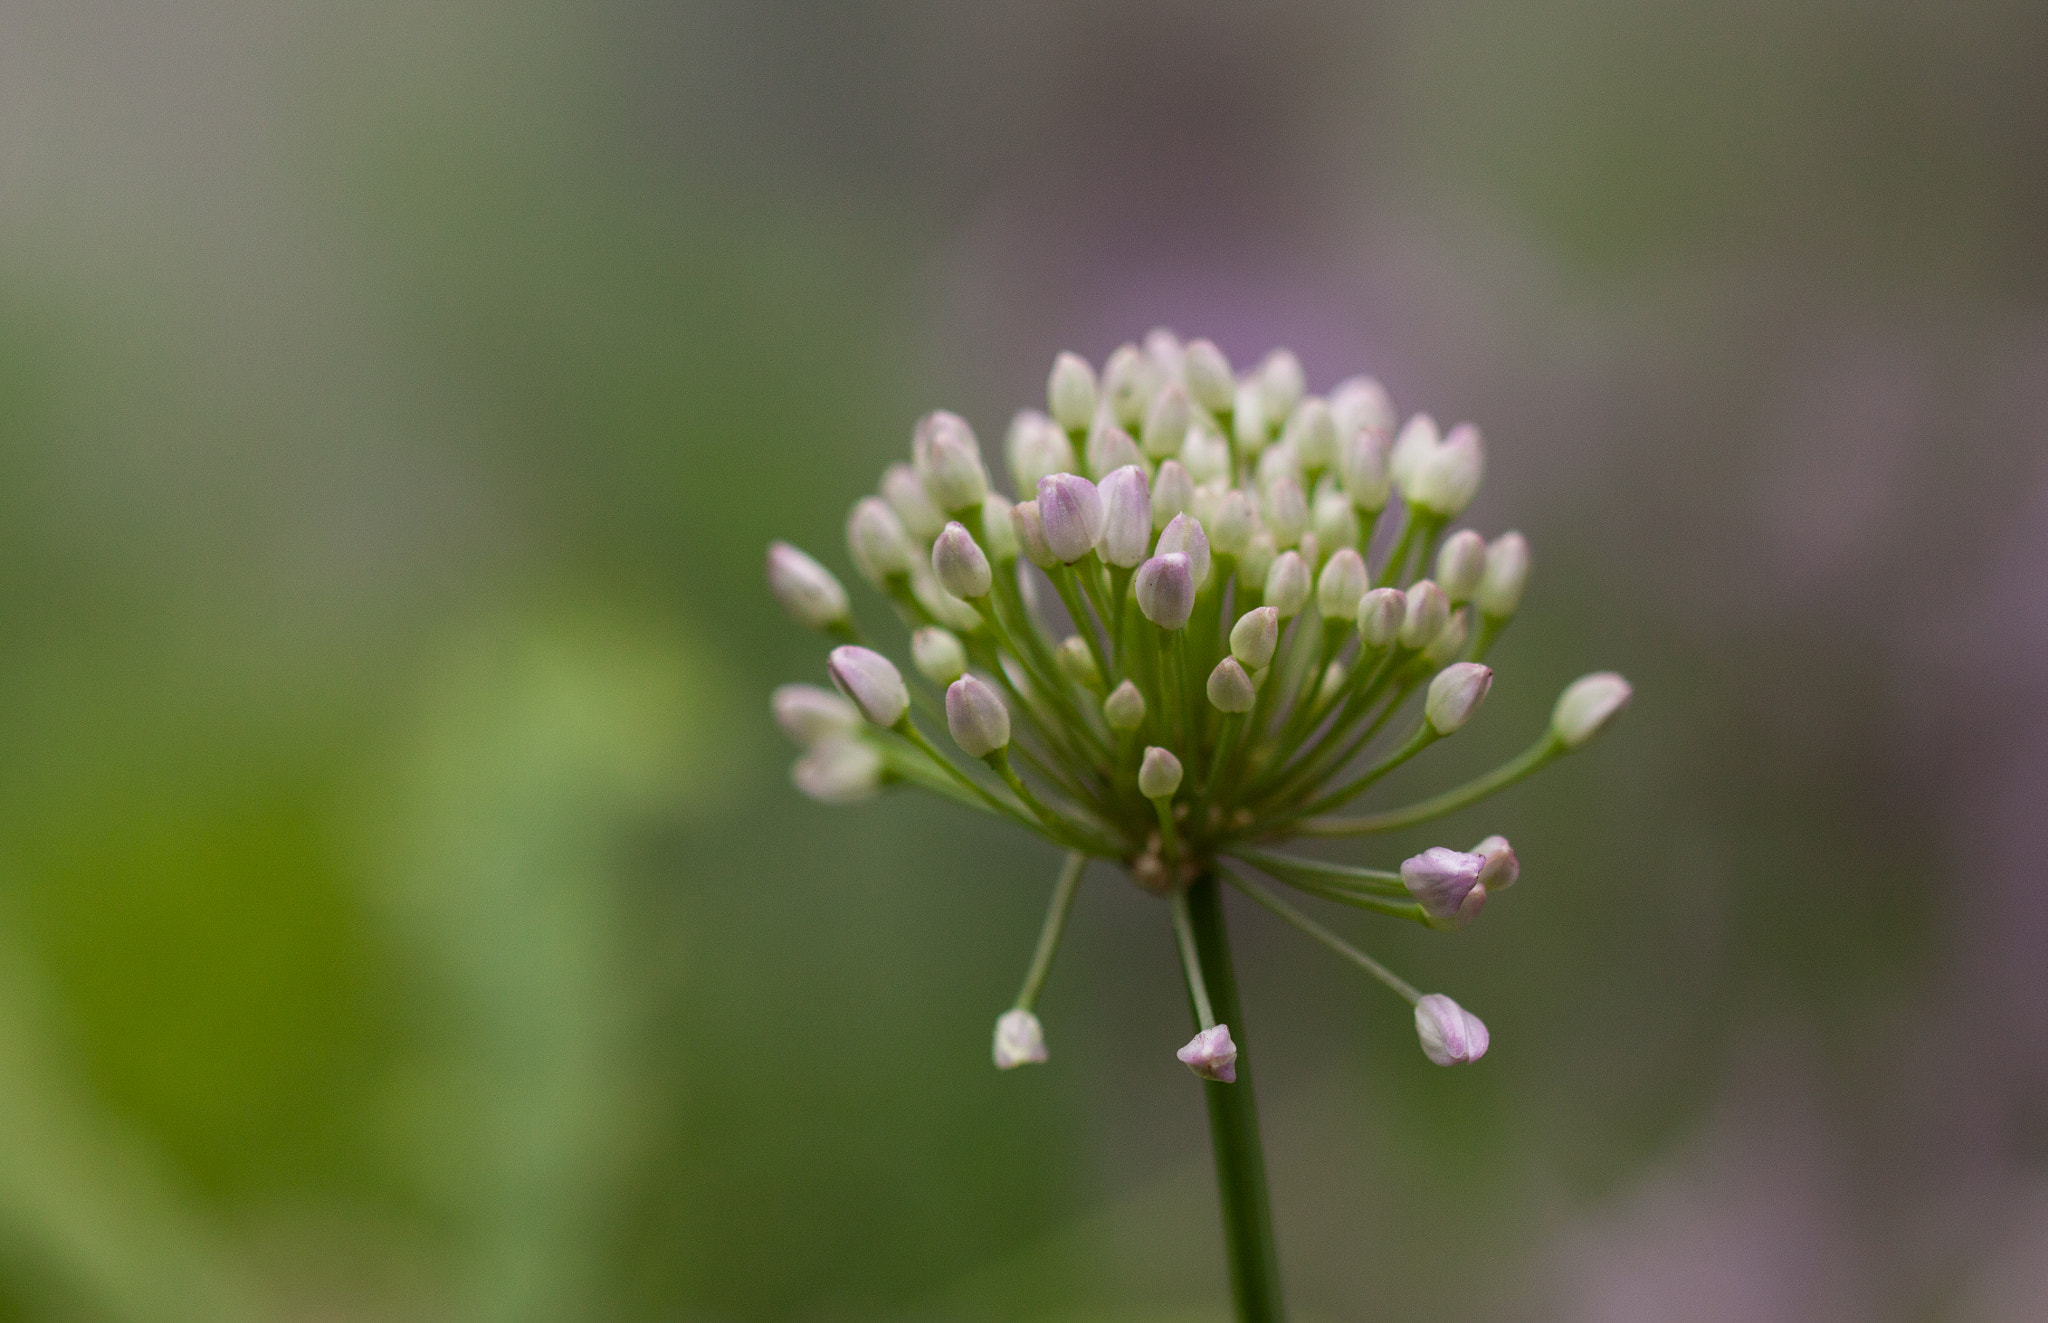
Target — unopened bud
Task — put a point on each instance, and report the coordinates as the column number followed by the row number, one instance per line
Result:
column 1278, row 461
column 1286, row 512
column 1173, row 493
column 938, row 654
column 1334, row 676
column 1211, row 1055
column 1208, row 376
column 1035, row 446
column 876, row 540
column 1230, row 689
column 1183, row 533
column 1447, row 480
column 1077, row 662
column 1070, row 392
column 1126, row 517
column 1311, row 551
column 1334, row 520
column 1380, row 616
column 1428, row 611
column 1455, row 694
column 1206, row 456
column 1287, row 584
column 1020, row 1040
column 1450, row 1034
column 941, row 605
column 808, row 714
column 1417, row 442
column 838, row 770
column 1313, row 434
column 1165, row 589
column 1585, row 708
column 976, row 716
column 959, row 563
column 1255, row 562
column 1460, row 564
column 1159, row 774
column 1255, row 638
column 1128, row 382
column 948, row 461
column 1447, row 883
column 1029, row 531
column 871, row 681
column 1248, row 419
column 1342, row 582
column 1124, row 709
column 1360, row 404
column 997, row 535
column 905, row 493
column 1449, row 643
column 1166, row 421
column 1230, row 533
column 1507, row 570
column 1070, row 511
column 1362, row 468
column 807, row 590
column 1110, row 448
column 1281, row 382
column 1501, row 868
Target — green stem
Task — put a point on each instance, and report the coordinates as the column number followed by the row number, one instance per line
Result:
column 1500, row 778
column 1055, row 924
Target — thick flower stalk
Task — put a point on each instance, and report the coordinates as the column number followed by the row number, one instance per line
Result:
column 1220, row 612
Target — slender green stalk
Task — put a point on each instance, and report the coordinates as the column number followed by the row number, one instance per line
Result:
column 1529, row 760
column 1055, row 924
column 1289, row 914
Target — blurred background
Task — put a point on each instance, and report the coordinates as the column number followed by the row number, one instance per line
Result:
column 404, row 913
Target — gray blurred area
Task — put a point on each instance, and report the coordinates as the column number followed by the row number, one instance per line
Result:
column 404, row 912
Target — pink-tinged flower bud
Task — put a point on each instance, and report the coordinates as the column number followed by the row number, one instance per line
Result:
column 1255, row 638
column 1287, row 585
column 1455, row 694
column 1449, row 643
column 1124, row 709
column 1333, row 520
column 1070, row 392
column 1281, row 382
column 1448, row 479
column 1447, row 883
column 1020, row 1040
column 1502, row 868
column 1126, row 517
column 1255, row 563
column 1128, row 382
column 1450, row 1034
column 938, row 654
column 1230, row 689
column 1334, row 676
column 1208, row 376
column 1173, row 493
column 876, row 540
column 1077, row 663
column 948, row 461
column 1360, row 404
column 1381, row 613
column 1342, row 582
column 1165, row 589
column 1286, row 512
column 1507, row 570
column 1159, row 774
column 1230, row 533
column 1183, row 533
column 1110, row 448
column 1211, row 1055
column 1278, row 461
column 1248, row 424
column 1586, row 706
column 1163, row 347
column 871, row 681
column 1362, row 469
column 1206, row 456
column 1070, row 510
column 1035, row 446
column 998, row 538
column 941, row 605
column 1460, row 565
column 905, row 493
column 838, row 770
column 1313, row 434
column 1417, row 442
column 806, row 589
column 1310, row 550
column 1030, row 534
column 977, row 718
column 1166, row 421
column 958, row 562
column 1428, row 611
column 808, row 714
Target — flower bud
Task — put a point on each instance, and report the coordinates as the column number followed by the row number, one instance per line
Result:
column 871, row 681
column 1417, row 442
column 1230, row 533
column 1126, row 517
column 997, row 535
column 1310, row 551
column 1447, row 480
column 1333, row 519
column 1450, row 1034
column 1206, row 456
column 1159, row 775
column 958, row 562
column 1381, row 613
column 976, row 716
column 1029, row 531
column 1460, row 565
column 1586, row 706
column 838, row 770
column 1501, row 868
column 1279, row 461
column 1342, row 582
column 1362, row 468
column 1208, row 375
column 1230, row 689
column 876, row 540
column 1165, row 589
column 1035, row 446
column 1255, row 563
column 1173, row 493
column 806, row 589
column 1183, row 533
column 1507, row 570
column 1129, row 380
column 1077, row 662
column 1124, row 709
column 1455, row 694
column 1070, row 510
column 1070, row 393
column 1449, row 643
column 1281, row 382
column 1255, row 637
column 1313, row 434
column 1110, row 448
column 1287, row 584
column 905, row 493
column 1334, row 676
column 938, row 654
column 1211, row 1055
column 808, row 714
column 1447, row 883
column 941, row 605
column 948, row 461
column 1248, row 419
column 1360, row 404
column 1020, row 1039
column 1428, row 611
column 1166, row 421
column 1286, row 512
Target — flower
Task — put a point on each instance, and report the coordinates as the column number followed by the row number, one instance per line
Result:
column 1211, row 1055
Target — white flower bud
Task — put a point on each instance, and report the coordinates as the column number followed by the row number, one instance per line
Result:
column 1362, row 468
column 1211, row 1055
column 1020, row 1040
column 1313, row 434
column 1128, row 382
column 838, row 770
column 905, row 493
column 1124, row 709
column 1286, row 513
column 806, row 589
column 808, row 714
column 1255, row 638
column 942, row 606
column 1163, row 347
column 1173, row 492
column 1255, row 563
column 871, row 681
column 1507, row 570
column 1447, row 480
column 1502, row 868
column 959, row 563
column 1333, row 679
column 1206, row 456
column 1029, row 532
column 1165, row 589
column 1230, row 689
column 997, row 533
column 1035, row 446
column 1279, row 461
column 1230, row 533
column 1417, row 442
column 1126, row 517
column 1287, row 585
column 1360, row 404
column 1586, row 706
column 1281, row 382
column 938, row 654
column 1070, row 394
column 1311, row 551
column 1334, row 520
column 1455, row 694
column 1428, row 611
column 876, row 540
column 948, row 461
column 1381, row 613
column 976, row 716
column 1248, row 424
column 1450, row 1034
column 1110, row 448
column 1447, row 884
column 1460, row 564
column 1070, row 511
column 1342, row 582
column 1183, row 533
column 1159, row 775
column 1077, row 662
column 1449, row 642
column 1208, row 376
column 1166, row 421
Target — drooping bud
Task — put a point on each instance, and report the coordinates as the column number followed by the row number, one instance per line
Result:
column 1208, row 376
column 1165, row 589
column 976, row 716
column 1362, row 468
column 1450, row 1034
column 1030, row 534
column 1428, row 610
column 1447, row 480
column 938, row 654
column 808, row 714
column 958, row 562
column 1077, row 662
column 1230, row 533
column 1502, row 868
column 1020, row 1040
column 1183, row 533
column 1070, row 393
column 1586, row 706
column 1342, row 582
column 1035, row 446
column 1449, row 643
column 1287, row 584
column 905, row 493
column 1110, row 448
column 1248, row 419
column 1447, row 883
column 1128, row 381
column 1507, row 570
column 1313, row 434
column 838, row 770
column 1166, row 421
column 1126, row 517
column 1417, row 442
column 1360, row 404
column 876, row 540
column 1206, row 456
column 1230, row 689
column 1281, row 382
column 1173, row 492
column 1070, row 511
column 1255, row 638
column 997, row 535
column 1455, row 694
column 1124, row 709
column 1381, row 613
column 948, row 461
column 1333, row 519
column 1286, row 512
column 1159, row 775
column 807, row 590
column 1211, row 1055
column 871, row 681
column 1460, row 565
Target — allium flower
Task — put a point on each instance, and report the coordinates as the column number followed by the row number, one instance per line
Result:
column 1185, row 667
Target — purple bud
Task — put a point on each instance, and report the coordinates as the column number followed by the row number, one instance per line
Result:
column 977, row 718
column 1165, row 589
column 1450, row 1034
column 959, row 563
column 1070, row 510
column 1126, row 517
column 1184, row 533
column 1447, row 883
column 1211, row 1055
column 871, row 681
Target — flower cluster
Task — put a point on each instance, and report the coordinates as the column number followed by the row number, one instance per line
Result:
column 1204, row 631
